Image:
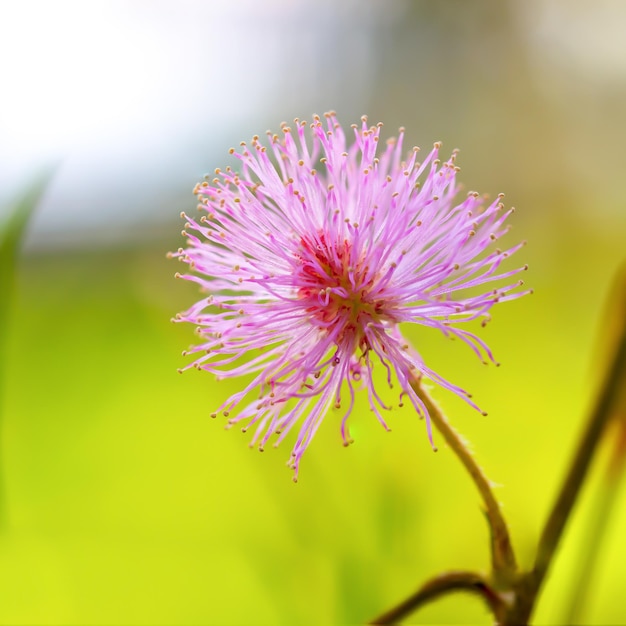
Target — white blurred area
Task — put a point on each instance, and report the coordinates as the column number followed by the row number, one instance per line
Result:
column 584, row 38
column 134, row 100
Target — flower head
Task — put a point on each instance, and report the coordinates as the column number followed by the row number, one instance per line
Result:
column 313, row 254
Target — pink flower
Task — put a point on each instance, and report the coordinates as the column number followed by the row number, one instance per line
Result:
column 311, row 257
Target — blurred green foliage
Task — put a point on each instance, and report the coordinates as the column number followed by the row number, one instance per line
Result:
column 128, row 504
column 12, row 230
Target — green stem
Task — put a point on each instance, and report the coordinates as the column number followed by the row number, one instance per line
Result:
column 599, row 418
column 503, row 557
column 601, row 511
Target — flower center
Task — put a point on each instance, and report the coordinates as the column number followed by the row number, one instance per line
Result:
column 337, row 290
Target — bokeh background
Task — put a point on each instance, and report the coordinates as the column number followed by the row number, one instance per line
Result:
column 122, row 502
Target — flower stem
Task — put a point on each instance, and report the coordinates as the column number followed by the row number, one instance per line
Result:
column 512, row 595
column 503, row 557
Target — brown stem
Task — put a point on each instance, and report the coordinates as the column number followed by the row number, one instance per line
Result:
column 440, row 585
column 513, row 595
column 503, row 557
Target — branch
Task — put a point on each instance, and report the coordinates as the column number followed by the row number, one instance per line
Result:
column 503, row 557
column 438, row 586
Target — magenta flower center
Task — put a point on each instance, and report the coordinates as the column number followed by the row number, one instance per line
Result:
column 338, row 290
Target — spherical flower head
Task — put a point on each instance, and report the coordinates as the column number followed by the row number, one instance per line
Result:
column 313, row 252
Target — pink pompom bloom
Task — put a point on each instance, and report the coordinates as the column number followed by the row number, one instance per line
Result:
column 309, row 274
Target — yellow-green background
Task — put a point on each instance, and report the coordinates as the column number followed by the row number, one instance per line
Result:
column 125, row 504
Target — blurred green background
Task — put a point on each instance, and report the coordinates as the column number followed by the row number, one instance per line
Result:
column 123, row 503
